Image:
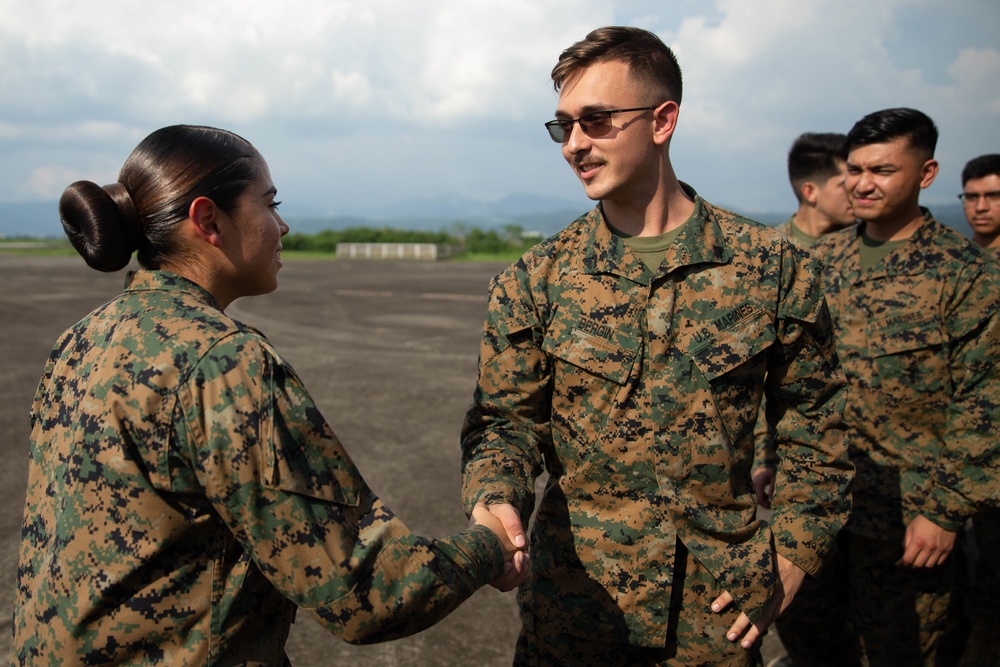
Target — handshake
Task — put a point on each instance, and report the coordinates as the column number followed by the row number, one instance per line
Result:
column 505, row 523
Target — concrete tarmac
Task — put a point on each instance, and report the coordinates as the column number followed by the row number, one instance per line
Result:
column 388, row 351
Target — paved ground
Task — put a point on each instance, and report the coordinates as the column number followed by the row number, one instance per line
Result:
column 388, row 350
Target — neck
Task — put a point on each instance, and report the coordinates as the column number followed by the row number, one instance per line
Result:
column 985, row 241
column 204, row 275
column 895, row 229
column 665, row 210
column 812, row 222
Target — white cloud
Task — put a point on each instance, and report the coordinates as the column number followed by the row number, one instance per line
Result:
column 343, row 92
column 433, row 62
column 977, row 74
column 49, row 182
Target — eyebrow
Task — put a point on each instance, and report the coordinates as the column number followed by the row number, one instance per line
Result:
column 270, row 191
column 881, row 165
column 590, row 108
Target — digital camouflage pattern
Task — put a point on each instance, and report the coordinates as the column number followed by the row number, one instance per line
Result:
column 638, row 393
column 919, row 340
column 185, row 495
column 764, row 432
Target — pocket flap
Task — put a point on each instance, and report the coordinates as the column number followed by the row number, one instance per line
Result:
column 729, row 349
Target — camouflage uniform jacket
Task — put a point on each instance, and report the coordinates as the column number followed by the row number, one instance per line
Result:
column 185, row 495
column 638, row 393
column 764, row 432
column 786, row 229
column 918, row 335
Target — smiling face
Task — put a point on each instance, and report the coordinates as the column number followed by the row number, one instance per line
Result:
column 621, row 166
column 884, row 181
column 257, row 228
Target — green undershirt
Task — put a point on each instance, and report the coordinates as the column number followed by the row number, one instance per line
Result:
column 872, row 251
column 650, row 249
column 804, row 240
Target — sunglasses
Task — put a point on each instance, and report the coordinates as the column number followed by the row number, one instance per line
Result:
column 593, row 124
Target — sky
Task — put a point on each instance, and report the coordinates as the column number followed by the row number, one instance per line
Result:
column 357, row 103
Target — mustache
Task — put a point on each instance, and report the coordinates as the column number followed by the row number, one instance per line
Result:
column 579, row 161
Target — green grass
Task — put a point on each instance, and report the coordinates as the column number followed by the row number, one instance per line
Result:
column 37, row 247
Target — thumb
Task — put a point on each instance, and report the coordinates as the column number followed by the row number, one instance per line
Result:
column 511, row 521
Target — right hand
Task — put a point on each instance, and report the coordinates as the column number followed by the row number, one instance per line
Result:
column 505, row 523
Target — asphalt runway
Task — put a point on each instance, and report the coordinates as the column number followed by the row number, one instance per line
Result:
column 388, row 351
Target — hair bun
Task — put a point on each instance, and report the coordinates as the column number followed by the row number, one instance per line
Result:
column 130, row 216
column 101, row 223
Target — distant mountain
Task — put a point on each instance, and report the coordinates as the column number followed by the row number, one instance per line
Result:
column 457, row 207
column 31, row 219
column 534, row 213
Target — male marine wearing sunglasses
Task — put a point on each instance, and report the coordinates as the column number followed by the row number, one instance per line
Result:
column 627, row 357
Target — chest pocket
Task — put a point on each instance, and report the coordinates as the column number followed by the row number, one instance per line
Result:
column 910, row 359
column 589, row 369
column 734, row 364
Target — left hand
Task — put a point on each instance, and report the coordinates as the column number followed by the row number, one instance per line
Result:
column 926, row 544
column 790, row 578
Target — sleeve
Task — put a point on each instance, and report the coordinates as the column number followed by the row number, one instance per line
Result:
column 278, row 477
column 805, row 390
column 968, row 479
column 508, row 423
column 763, row 440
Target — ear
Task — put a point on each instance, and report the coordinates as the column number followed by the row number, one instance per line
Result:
column 928, row 173
column 205, row 217
column 810, row 192
column 665, row 119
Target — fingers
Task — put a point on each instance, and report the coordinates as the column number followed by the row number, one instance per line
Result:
column 916, row 557
column 926, row 544
column 505, row 523
column 515, row 573
column 721, row 602
column 511, row 521
column 482, row 515
column 743, row 631
column 763, row 484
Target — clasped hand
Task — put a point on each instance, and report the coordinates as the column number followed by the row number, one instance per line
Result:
column 505, row 523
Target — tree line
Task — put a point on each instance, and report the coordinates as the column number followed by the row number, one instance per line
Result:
column 473, row 240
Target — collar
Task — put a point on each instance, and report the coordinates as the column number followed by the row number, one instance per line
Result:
column 164, row 281
column 701, row 240
column 911, row 257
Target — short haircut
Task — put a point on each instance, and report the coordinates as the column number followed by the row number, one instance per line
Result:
column 890, row 124
column 981, row 167
column 816, row 157
column 651, row 62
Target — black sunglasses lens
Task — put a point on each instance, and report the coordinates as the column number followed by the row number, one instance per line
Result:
column 596, row 124
column 556, row 131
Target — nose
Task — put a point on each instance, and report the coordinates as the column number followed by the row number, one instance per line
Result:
column 982, row 204
column 576, row 141
column 864, row 183
column 282, row 225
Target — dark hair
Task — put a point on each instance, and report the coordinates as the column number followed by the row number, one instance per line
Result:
column 981, row 167
column 166, row 172
column 816, row 157
column 650, row 61
column 889, row 124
